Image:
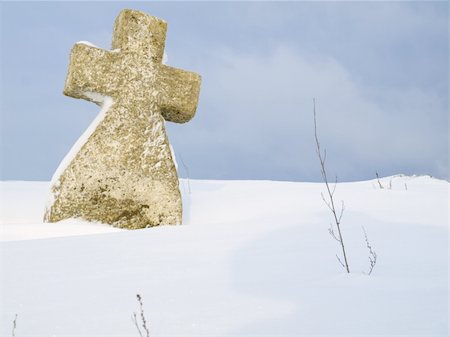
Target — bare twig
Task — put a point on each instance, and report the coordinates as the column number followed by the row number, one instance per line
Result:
column 334, row 186
column 330, row 194
column 372, row 253
column 332, row 233
column 142, row 317
column 134, row 318
column 342, row 211
column 379, row 182
column 326, row 202
column 187, row 173
column 14, row 326
column 340, row 262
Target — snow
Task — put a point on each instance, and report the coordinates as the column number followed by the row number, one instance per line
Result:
column 254, row 258
column 87, row 43
column 174, row 159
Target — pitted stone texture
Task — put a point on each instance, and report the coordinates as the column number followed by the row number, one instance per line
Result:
column 124, row 174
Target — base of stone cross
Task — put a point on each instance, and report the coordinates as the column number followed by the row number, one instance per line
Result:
column 122, row 175
column 112, row 201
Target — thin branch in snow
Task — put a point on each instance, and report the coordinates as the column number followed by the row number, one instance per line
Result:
column 142, row 317
column 14, row 326
column 372, row 254
column 339, row 260
column 332, row 233
column 342, row 211
column 329, row 201
column 134, row 319
column 326, row 202
column 187, row 173
column 334, row 187
column 379, row 182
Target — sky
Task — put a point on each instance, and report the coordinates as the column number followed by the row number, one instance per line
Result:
column 378, row 72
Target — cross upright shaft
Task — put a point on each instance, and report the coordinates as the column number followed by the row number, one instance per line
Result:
column 123, row 173
column 137, row 32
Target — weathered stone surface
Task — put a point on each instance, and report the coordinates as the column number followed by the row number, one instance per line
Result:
column 121, row 172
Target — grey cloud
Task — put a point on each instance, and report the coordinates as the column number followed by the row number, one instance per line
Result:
column 378, row 70
column 261, row 109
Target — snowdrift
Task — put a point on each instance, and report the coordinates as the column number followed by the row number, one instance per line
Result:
column 253, row 258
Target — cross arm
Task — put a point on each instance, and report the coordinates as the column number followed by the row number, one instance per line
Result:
column 179, row 96
column 90, row 70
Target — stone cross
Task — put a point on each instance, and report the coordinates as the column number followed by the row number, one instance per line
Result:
column 121, row 171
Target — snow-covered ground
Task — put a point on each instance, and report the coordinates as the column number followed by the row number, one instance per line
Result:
column 253, row 258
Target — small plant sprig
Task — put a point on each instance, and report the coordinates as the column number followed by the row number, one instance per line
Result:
column 142, row 318
column 372, row 254
column 14, row 326
column 379, row 182
column 381, row 186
